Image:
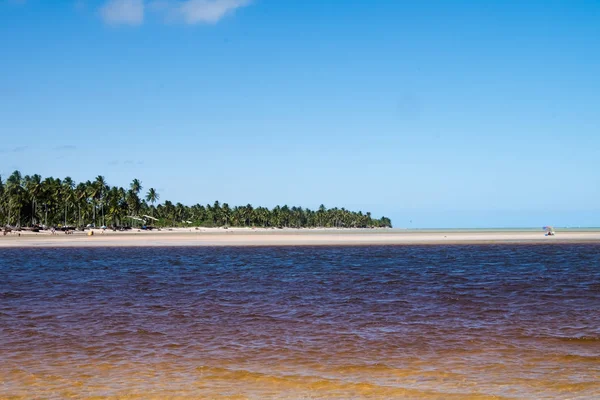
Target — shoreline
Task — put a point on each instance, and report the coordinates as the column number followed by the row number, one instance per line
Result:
column 259, row 237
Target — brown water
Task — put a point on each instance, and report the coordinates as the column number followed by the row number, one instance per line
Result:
column 422, row 322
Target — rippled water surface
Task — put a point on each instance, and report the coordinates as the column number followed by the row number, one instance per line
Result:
column 422, row 322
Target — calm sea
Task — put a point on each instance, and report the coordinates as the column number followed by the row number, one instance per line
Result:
column 420, row 322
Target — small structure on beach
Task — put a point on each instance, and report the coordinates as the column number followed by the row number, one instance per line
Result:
column 549, row 230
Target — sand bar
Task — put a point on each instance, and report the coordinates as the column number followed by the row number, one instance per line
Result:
column 291, row 237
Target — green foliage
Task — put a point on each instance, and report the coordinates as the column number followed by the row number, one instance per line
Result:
column 29, row 200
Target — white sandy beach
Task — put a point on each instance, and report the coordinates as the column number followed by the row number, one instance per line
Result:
column 283, row 237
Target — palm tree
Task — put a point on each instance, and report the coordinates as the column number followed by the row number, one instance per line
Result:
column 136, row 186
column 16, row 193
column 216, row 212
column 48, row 195
column 100, row 186
column 89, row 202
column 226, row 213
column 116, row 201
column 180, row 213
column 67, row 194
column 80, row 198
column 321, row 213
column 133, row 196
column 152, row 197
column 169, row 211
column 133, row 202
column 263, row 216
column 33, row 187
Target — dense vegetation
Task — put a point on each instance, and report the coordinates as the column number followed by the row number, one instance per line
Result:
column 31, row 200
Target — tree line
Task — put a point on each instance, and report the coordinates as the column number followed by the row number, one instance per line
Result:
column 36, row 201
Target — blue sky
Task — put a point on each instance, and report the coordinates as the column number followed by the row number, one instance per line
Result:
column 434, row 113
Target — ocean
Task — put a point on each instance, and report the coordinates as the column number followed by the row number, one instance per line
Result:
column 368, row 322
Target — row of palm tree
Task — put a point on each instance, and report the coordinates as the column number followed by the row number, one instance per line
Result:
column 32, row 200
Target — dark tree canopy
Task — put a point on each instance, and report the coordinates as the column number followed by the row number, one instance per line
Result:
column 31, row 200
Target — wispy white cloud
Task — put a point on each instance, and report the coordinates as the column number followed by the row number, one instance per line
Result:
column 65, row 147
column 197, row 11
column 126, row 12
column 126, row 162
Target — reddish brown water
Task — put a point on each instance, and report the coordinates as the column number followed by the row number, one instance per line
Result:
column 422, row 322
